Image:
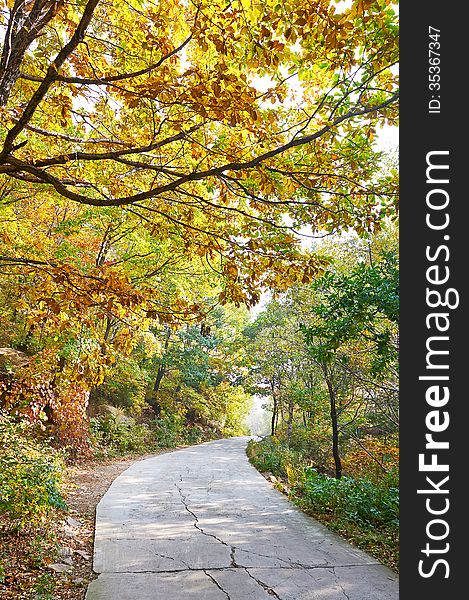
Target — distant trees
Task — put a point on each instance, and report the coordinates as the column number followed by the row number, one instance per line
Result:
column 200, row 372
column 327, row 354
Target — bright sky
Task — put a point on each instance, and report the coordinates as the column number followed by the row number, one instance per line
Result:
column 387, row 138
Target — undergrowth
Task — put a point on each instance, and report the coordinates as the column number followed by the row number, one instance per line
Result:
column 363, row 510
column 117, row 434
column 32, row 474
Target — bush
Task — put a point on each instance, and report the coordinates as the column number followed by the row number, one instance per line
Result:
column 313, row 443
column 30, row 474
column 271, row 455
column 355, row 500
column 358, row 500
column 359, row 463
column 119, row 434
column 168, row 430
column 363, row 509
column 125, row 389
column 115, row 433
column 193, row 435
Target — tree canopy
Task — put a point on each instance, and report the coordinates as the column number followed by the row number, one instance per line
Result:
column 158, row 159
column 209, row 122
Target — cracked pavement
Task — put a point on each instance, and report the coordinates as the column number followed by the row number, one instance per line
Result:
column 202, row 524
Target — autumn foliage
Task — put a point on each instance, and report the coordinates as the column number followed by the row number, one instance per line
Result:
column 159, row 159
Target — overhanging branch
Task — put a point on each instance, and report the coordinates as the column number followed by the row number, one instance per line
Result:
column 36, row 169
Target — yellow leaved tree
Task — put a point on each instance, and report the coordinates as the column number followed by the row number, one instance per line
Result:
column 159, row 157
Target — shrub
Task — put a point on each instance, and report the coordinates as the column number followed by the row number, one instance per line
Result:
column 313, row 443
column 30, row 474
column 168, row 430
column 359, row 463
column 117, row 433
column 271, row 455
column 364, row 509
column 193, row 435
column 125, row 389
column 355, row 500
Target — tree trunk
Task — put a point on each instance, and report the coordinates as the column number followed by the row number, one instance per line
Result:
column 92, row 408
column 159, row 376
column 335, row 425
column 274, row 409
column 162, row 368
column 274, row 417
column 311, row 391
column 290, row 420
column 22, row 29
column 95, row 394
column 156, row 386
column 335, row 441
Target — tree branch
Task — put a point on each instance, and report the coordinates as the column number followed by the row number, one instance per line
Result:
column 112, row 78
column 179, row 181
column 50, row 77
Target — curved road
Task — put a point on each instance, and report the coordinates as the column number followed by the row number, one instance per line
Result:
column 202, row 524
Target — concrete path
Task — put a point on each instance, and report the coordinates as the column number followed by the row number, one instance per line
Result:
column 202, row 524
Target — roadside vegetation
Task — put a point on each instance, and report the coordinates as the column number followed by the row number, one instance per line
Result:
column 194, row 403
column 35, row 480
column 327, row 366
column 362, row 506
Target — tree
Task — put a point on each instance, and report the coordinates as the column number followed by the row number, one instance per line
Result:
column 357, row 309
column 200, row 371
column 157, row 110
column 326, row 353
column 157, row 159
column 277, row 359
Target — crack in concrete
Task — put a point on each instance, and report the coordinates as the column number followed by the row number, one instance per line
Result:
column 290, row 563
column 165, row 556
column 210, row 483
column 338, row 583
column 173, row 559
column 263, row 585
column 236, row 566
column 196, row 519
column 217, row 584
column 233, row 563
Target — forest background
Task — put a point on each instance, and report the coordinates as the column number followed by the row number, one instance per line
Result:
column 163, row 168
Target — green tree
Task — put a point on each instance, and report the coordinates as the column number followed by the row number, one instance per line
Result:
column 326, row 353
column 201, row 370
column 360, row 308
